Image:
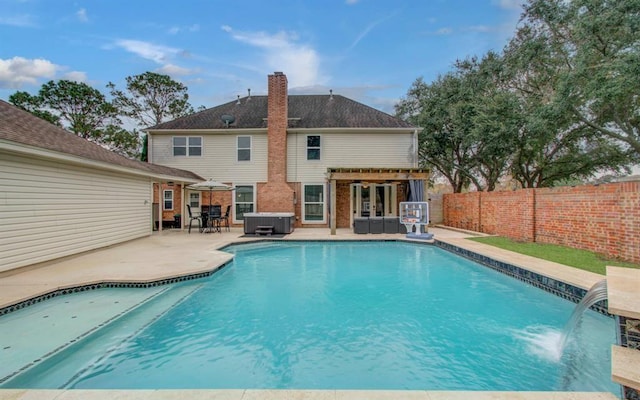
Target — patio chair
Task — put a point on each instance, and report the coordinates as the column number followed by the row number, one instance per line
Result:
column 192, row 218
column 215, row 216
column 224, row 220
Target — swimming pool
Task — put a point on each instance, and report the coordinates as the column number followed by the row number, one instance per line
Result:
column 343, row 315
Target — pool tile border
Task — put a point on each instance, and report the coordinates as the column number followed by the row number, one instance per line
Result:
column 102, row 285
column 553, row 286
column 558, row 288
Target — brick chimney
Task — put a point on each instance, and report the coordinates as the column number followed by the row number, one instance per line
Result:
column 277, row 119
column 277, row 195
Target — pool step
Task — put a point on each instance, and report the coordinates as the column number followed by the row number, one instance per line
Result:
column 264, row 229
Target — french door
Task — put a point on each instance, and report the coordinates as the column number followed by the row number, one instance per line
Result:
column 373, row 200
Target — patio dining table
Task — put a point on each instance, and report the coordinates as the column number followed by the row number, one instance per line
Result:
column 211, row 221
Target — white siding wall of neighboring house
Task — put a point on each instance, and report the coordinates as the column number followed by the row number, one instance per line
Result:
column 340, row 149
column 50, row 209
column 219, row 157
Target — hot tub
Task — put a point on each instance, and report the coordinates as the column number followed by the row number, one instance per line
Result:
column 282, row 222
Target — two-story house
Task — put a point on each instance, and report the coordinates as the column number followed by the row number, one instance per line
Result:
column 326, row 158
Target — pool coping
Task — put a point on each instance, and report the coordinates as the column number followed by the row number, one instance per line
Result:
column 578, row 284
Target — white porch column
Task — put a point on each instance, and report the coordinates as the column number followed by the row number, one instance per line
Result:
column 333, row 206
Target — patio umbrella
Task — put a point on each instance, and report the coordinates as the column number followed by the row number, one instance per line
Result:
column 210, row 186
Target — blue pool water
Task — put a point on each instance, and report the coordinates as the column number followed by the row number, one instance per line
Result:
column 351, row 315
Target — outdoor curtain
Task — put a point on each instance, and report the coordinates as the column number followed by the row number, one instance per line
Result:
column 416, row 190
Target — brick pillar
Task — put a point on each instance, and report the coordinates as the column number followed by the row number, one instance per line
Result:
column 276, row 195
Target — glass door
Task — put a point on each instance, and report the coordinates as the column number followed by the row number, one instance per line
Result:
column 373, row 200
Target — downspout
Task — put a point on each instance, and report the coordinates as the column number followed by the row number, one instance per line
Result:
column 415, row 148
column 184, row 207
column 149, row 148
column 160, row 206
column 333, row 202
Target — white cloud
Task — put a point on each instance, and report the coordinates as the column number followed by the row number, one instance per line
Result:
column 82, row 15
column 75, row 76
column 444, row 31
column 480, row 28
column 175, row 70
column 365, row 32
column 18, row 71
column 20, row 21
column 176, row 29
column 509, row 4
column 158, row 53
column 351, row 2
column 282, row 52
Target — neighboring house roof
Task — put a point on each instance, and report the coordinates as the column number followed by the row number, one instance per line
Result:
column 305, row 111
column 19, row 126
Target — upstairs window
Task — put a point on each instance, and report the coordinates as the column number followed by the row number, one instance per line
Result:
column 190, row 146
column 313, row 147
column 244, row 148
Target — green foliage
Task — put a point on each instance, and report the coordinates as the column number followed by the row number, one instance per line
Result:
column 144, row 153
column 561, row 103
column 596, row 48
column 468, row 123
column 81, row 109
column 440, row 109
column 33, row 104
column 581, row 259
column 152, row 98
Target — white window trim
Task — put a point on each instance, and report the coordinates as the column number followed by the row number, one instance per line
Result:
column 324, row 203
column 186, row 138
column 233, row 203
column 250, row 148
column 199, row 198
column 164, row 200
column 306, row 147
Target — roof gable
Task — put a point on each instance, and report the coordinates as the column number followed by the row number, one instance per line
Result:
column 305, row 111
column 19, row 126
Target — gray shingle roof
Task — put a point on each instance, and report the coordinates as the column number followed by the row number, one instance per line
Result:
column 305, row 111
column 19, row 126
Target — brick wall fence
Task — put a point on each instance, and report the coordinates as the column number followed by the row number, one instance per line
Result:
column 604, row 218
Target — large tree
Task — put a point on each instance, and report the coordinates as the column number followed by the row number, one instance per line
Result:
column 468, row 123
column 550, row 148
column 494, row 121
column 444, row 114
column 560, row 103
column 152, row 98
column 594, row 47
column 83, row 110
column 555, row 143
column 33, row 104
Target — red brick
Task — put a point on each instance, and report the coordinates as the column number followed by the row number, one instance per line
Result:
column 604, row 218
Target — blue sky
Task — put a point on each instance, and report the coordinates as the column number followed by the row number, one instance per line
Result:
column 368, row 50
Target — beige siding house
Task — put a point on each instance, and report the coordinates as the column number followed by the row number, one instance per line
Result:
column 325, row 158
column 61, row 195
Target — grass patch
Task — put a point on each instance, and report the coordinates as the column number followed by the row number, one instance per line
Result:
column 581, row 259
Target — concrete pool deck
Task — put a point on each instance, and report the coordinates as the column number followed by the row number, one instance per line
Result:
column 175, row 253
